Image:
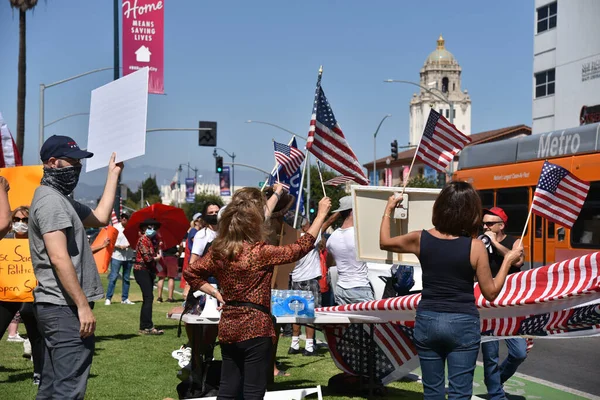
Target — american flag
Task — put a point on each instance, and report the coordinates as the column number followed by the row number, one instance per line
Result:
column 290, row 158
column 441, row 141
column 393, row 351
column 328, row 143
column 559, row 300
column 559, row 195
column 9, row 155
column 338, row 180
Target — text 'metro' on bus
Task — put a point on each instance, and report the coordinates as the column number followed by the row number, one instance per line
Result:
column 506, row 173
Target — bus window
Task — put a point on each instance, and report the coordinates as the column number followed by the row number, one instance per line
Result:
column 550, row 234
column 487, row 198
column 561, row 233
column 586, row 231
column 515, row 203
column 538, row 226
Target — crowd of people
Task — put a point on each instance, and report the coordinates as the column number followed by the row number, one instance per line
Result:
column 229, row 253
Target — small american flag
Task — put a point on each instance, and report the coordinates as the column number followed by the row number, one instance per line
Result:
column 559, row 195
column 114, row 219
column 328, row 143
column 290, row 158
column 441, row 141
column 338, row 180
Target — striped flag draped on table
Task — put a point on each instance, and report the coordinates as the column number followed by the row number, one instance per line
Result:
column 9, row 155
column 440, row 142
column 290, row 158
column 559, row 195
column 558, row 300
column 328, row 143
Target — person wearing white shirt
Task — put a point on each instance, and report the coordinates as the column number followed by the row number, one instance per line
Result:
column 306, row 276
column 353, row 284
column 122, row 257
column 207, row 234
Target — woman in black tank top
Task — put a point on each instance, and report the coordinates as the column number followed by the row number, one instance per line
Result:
column 447, row 321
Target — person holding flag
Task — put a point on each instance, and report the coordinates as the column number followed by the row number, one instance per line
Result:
column 447, row 324
column 499, row 244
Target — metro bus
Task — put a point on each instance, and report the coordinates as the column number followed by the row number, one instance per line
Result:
column 505, row 173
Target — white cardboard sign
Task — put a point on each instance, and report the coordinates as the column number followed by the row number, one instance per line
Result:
column 118, row 113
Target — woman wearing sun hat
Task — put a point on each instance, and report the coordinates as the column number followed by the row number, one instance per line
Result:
column 147, row 255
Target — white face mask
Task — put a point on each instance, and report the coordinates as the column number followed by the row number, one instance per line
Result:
column 20, row 227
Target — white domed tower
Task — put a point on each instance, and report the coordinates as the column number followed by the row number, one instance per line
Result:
column 440, row 74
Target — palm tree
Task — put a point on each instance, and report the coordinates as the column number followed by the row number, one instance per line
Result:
column 23, row 6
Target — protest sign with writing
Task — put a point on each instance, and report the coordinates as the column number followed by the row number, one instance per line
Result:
column 16, row 271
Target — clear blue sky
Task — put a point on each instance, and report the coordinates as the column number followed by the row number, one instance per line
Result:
column 230, row 61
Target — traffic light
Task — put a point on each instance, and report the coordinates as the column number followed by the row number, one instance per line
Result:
column 394, row 145
column 218, row 164
column 312, row 210
column 207, row 135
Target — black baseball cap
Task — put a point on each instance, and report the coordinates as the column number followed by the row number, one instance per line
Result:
column 61, row 147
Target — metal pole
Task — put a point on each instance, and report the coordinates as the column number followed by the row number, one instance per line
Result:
column 232, row 172
column 65, row 117
column 375, row 180
column 307, row 205
column 41, row 129
column 116, row 75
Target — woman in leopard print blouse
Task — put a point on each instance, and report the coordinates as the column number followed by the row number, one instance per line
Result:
column 243, row 264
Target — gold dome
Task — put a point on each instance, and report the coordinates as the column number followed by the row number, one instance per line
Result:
column 440, row 54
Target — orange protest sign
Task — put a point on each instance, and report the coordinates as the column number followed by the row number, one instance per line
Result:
column 103, row 256
column 23, row 182
column 16, row 271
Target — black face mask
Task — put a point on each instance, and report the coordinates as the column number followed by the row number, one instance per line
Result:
column 210, row 219
column 62, row 179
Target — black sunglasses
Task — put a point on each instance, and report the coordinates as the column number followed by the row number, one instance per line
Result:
column 492, row 223
column 17, row 219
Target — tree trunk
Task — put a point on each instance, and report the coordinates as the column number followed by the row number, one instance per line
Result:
column 21, row 83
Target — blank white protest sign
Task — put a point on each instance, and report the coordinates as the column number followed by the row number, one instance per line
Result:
column 118, row 113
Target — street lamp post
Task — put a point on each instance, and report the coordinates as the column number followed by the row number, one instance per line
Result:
column 65, row 117
column 443, row 97
column 43, row 87
column 307, row 156
column 376, row 181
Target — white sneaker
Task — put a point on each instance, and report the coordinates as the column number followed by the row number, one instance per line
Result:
column 15, row 339
column 107, row 302
column 127, row 301
column 183, row 355
column 27, row 349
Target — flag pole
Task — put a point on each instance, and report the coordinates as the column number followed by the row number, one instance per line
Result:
column 410, row 168
column 321, row 178
column 276, row 165
column 526, row 224
column 300, row 191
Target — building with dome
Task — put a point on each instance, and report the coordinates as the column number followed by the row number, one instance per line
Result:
column 440, row 74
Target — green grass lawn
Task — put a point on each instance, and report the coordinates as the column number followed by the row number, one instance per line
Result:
column 129, row 366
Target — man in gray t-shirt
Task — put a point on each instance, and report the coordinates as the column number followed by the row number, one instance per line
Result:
column 68, row 280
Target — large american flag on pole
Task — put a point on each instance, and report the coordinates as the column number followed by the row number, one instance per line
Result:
column 559, row 195
column 328, row 143
column 559, row 300
column 290, row 158
column 440, row 142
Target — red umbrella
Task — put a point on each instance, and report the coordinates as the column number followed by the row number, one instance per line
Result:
column 173, row 224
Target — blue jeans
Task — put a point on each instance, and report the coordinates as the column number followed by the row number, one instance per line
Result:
column 495, row 374
column 447, row 337
column 115, row 266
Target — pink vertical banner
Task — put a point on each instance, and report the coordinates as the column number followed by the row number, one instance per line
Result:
column 388, row 177
column 405, row 173
column 143, row 40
